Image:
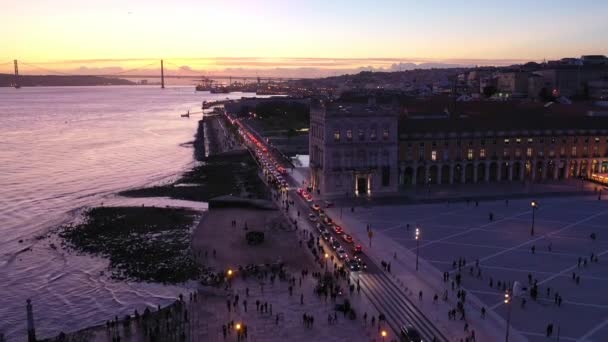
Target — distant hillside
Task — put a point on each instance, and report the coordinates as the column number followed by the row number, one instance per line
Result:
column 7, row 80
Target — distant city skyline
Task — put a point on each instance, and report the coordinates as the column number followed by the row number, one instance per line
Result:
column 313, row 37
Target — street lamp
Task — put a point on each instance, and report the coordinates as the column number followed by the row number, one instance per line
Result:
column 417, row 245
column 534, row 205
column 383, row 334
column 508, row 303
column 326, row 257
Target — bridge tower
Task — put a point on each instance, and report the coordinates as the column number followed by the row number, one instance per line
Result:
column 17, row 84
column 162, row 74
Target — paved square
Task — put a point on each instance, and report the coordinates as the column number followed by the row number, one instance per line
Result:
column 562, row 227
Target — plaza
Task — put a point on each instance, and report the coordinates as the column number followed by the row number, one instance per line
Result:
column 563, row 227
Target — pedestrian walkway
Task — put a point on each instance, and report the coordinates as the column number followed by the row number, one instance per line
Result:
column 428, row 280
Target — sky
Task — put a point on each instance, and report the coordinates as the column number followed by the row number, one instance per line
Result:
column 331, row 35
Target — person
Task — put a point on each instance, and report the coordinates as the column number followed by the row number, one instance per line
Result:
column 483, row 312
column 523, row 302
column 549, row 329
column 435, row 298
column 420, row 295
column 301, row 299
column 365, row 318
column 533, row 249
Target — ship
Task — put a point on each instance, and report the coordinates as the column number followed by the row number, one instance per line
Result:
column 220, row 90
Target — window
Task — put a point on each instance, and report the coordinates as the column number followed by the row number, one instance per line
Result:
column 562, row 151
column 434, row 143
column 551, row 153
column 446, row 154
column 372, row 134
column 597, row 140
column 483, row 142
column 421, row 152
column 517, row 153
column 541, row 153
column 349, row 134
column 470, row 154
column 337, row 135
column 361, row 134
column 530, row 140
column 385, row 134
column 507, row 140
column 434, row 155
column 553, row 140
column 573, row 151
column 386, row 176
column 518, row 140
column 505, row 153
column 482, row 153
column 529, row 152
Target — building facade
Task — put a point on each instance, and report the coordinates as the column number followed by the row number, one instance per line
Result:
column 534, row 146
column 353, row 149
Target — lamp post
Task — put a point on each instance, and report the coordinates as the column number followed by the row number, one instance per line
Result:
column 417, row 245
column 383, row 334
column 326, row 257
column 508, row 303
column 534, row 205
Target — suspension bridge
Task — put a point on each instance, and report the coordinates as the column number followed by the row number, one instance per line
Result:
column 143, row 71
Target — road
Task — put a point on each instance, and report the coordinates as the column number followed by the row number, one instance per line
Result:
column 379, row 287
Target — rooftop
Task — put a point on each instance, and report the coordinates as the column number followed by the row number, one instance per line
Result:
column 445, row 116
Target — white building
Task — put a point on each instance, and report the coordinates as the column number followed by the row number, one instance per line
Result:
column 353, row 149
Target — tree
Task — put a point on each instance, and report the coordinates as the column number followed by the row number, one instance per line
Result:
column 290, row 133
column 489, row 90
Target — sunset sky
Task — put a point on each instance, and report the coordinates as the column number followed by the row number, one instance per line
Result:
column 328, row 34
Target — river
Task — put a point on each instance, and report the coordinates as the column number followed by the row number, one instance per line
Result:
column 65, row 148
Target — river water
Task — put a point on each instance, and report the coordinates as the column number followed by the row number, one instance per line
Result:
column 65, row 148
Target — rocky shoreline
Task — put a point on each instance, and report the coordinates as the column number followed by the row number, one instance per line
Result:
column 141, row 243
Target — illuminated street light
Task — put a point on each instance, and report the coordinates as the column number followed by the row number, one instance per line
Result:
column 508, row 304
column 417, row 245
column 229, row 272
column 534, row 206
column 326, row 257
column 383, row 334
column 238, row 326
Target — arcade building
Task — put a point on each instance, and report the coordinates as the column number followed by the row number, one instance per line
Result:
column 369, row 149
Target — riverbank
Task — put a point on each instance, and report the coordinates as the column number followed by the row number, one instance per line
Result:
column 227, row 170
column 141, row 243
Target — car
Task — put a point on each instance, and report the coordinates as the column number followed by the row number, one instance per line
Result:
column 357, row 249
column 338, row 229
column 410, row 334
column 341, row 253
column 326, row 235
column 315, row 207
column 299, row 191
column 321, row 227
column 335, row 244
column 308, row 198
column 327, row 220
column 329, row 204
column 362, row 264
column 353, row 265
column 312, row 217
column 347, row 238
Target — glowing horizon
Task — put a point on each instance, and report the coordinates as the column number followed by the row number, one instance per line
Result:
column 339, row 35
